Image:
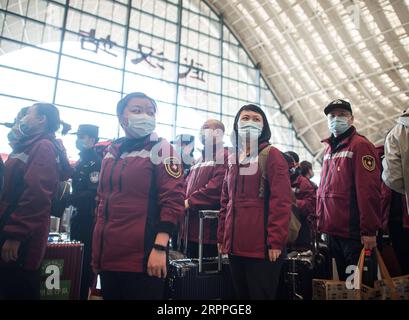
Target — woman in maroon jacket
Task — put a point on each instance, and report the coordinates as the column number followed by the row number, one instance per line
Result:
column 32, row 173
column 306, row 195
column 140, row 200
column 255, row 208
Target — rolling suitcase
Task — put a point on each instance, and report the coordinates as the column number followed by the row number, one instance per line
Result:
column 62, row 261
column 300, row 268
column 203, row 278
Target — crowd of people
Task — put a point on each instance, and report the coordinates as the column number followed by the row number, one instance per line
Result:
column 132, row 196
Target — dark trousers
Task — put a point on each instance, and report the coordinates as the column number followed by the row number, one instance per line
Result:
column 346, row 252
column 255, row 279
column 131, row 286
column 209, row 250
column 303, row 241
column 19, row 284
column 400, row 242
column 81, row 230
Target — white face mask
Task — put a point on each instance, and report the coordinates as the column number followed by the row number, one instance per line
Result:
column 141, row 125
column 26, row 128
column 338, row 125
column 251, row 128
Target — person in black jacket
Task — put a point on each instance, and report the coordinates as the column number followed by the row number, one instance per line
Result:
column 84, row 190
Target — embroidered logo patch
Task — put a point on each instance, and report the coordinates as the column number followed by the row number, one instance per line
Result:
column 368, row 162
column 173, row 167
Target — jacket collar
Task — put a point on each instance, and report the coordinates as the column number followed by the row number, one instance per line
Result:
column 343, row 139
column 217, row 151
column 262, row 145
column 26, row 142
column 88, row 154
column 125, row 144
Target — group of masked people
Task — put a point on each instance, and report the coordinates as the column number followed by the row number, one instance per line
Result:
column 134, row 198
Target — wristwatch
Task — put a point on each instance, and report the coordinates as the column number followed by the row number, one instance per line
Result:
column 159, row 247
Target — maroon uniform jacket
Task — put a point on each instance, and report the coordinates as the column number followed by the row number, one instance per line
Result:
column 306, row 195
column 249, row 225
column 139, row 196
column 32, row 174
column 203, row 191
column 349, row 195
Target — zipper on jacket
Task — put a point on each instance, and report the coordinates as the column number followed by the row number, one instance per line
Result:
column 120, row 175
column 327, row 177
column 234, row 208
column 328, row 169
column 106, row 215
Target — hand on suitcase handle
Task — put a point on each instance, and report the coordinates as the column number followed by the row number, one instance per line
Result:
column 157, row 264
column 368, row 242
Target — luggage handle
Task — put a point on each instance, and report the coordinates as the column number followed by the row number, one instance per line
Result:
column 207, row 214
column 384, row 274
column 186, row 232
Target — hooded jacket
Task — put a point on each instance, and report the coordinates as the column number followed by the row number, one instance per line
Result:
column 33, row 171
column 249, row 225
column 140, row 194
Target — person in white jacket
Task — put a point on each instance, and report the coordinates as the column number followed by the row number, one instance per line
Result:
column 396, row 162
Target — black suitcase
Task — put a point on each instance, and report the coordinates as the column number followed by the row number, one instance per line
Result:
column 300, row 268
column 203, row 278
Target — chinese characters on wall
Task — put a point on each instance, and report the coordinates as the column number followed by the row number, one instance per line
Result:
column 145, row 54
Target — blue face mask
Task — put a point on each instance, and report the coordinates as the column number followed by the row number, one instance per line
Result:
column 252, row 128
column 338, row 125
column 141, row 125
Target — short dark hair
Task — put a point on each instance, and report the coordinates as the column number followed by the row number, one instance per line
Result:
column 294, row 156
column 265, row 133
column 52, row 115
column 305, row 166
column 120, row 107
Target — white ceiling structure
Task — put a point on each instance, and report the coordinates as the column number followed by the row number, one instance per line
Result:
column 314, row 51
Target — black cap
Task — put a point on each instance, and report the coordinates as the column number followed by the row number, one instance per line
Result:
column 183, row 139
column 87, row 129
column 340, row 104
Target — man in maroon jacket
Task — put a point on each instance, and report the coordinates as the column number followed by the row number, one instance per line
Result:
column 204, row 188
column 348, row 198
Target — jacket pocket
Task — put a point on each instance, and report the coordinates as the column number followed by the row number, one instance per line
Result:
column 125, row 232
column 335, row 213
column 249, row 230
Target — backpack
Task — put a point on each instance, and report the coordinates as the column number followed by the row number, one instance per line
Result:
column 60, row 200
column 295, row 224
